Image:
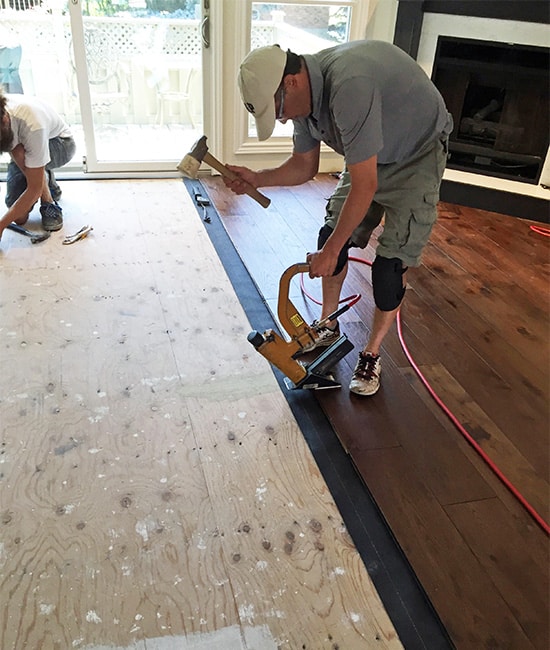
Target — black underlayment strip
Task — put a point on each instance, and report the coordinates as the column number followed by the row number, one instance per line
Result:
column 406, row 603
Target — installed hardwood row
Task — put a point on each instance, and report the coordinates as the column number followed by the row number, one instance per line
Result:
column 476, row 321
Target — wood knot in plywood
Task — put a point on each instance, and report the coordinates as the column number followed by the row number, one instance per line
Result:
column 6, row 517
column 315, row 526
column 289, row 544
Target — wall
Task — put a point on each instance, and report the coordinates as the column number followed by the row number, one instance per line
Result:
column 381, row 20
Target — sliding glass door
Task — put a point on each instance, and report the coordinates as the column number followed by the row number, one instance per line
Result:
column 125, row 74
column 138, row 69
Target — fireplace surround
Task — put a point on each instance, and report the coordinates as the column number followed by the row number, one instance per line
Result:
column 490, row 184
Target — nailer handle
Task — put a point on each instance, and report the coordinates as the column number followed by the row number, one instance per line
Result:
column 289, row 316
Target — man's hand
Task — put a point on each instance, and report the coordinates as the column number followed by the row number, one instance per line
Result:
column 321, row 264
column 246, row 176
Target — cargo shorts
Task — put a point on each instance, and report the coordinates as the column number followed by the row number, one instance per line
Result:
column 407, row 194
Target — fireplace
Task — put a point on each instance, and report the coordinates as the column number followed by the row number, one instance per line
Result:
column 498, row 94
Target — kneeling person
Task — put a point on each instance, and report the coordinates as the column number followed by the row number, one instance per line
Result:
column 38, row 141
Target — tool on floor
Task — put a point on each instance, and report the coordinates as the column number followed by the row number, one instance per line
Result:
column 83, row 232
column 35, row 237
column 282, row 353
column 203, row 202
column 191, row 162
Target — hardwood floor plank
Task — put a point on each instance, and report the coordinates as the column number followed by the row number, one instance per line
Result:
column 513, row 312
column 445, row 565
column 512, row 237
column 528, row 379
column 519, row 418
column 492, row 441
column 433, row 449
column 499, row 544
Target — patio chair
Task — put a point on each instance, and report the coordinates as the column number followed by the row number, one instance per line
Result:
column 174, row 87
column 108, row 77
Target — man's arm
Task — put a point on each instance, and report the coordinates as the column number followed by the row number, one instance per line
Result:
column 297, row 169
column 37, row 188
column 364, row 181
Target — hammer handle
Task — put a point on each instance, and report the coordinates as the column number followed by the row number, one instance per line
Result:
column 209, row 159
column 22, row 231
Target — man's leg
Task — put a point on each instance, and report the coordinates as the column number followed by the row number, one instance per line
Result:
column 16, row 184
column 332, row 286
column 61, row 152
column 410, row 194
column 381, row 325
column 388, row 283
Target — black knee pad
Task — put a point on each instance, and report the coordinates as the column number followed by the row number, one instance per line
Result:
column 387, row 282
column 324, row 234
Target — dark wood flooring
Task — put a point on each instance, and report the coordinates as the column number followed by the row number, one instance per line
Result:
column 476, row 322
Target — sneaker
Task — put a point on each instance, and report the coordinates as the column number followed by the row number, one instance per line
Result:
column 325, row 338
column 366, row 376
column 52, row 216
column 55, row 190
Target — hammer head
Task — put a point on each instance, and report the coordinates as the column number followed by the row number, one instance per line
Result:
column 190, row 163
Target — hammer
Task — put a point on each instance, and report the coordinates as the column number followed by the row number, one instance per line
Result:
column 189, row 167
column 36, row 238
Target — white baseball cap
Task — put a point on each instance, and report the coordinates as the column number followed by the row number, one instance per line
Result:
column 260, row 75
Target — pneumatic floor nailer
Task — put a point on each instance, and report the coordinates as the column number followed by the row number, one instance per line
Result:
column 282, row 354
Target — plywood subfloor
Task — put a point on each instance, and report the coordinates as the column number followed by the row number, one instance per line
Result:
column 155, row 489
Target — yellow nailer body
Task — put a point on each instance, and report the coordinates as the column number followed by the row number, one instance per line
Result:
column 282, row 353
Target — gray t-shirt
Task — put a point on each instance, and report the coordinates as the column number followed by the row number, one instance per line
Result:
column 370, row 97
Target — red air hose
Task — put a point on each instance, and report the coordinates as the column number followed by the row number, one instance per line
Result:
column 494, row 468
column 540, row 230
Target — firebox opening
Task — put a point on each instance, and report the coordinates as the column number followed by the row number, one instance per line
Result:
column 498, row 96
column 481, row 113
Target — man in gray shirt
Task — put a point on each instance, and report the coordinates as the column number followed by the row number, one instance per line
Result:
column 374, row 105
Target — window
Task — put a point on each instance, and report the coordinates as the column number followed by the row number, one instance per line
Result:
column 303, row 28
